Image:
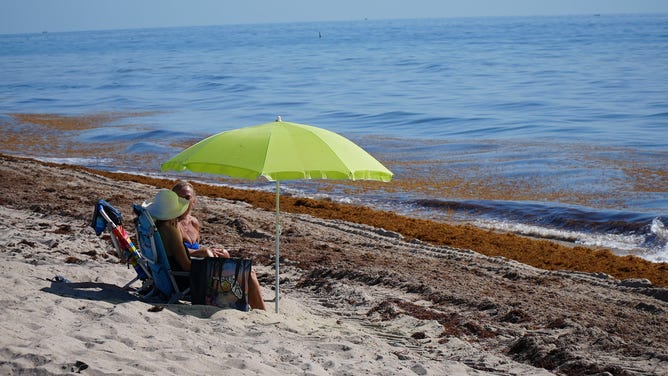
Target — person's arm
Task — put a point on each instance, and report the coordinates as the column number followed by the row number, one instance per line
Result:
column 196, row 226
column 209, row 252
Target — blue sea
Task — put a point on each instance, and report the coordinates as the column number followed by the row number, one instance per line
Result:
column 552, row 127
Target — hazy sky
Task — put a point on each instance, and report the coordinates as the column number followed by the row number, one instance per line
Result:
column 26, row 16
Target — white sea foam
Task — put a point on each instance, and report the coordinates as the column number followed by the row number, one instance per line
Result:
column 77, row 161
column 659, row 229
column 621, row 244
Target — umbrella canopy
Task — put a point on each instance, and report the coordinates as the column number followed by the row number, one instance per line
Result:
column 280, row 151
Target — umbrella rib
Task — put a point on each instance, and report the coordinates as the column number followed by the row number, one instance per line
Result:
column 266, row 156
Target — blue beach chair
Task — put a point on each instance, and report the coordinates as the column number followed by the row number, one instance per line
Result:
column 153, row 251
column 107, row 217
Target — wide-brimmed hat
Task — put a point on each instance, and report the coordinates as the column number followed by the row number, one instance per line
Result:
column 166, row 205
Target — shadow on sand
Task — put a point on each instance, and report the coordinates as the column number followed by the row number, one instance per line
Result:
column 91, row 291
column 113, row 294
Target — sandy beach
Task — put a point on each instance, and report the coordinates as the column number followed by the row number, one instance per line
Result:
column 359, row 296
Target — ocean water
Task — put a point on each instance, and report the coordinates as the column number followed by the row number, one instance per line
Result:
column 554, row 127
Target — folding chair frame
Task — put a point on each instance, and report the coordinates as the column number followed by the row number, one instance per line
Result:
column 122, row 251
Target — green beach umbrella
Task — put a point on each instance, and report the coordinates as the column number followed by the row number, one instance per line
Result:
column 278, row 151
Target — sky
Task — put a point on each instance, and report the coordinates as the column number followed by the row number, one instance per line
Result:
column 34, row 16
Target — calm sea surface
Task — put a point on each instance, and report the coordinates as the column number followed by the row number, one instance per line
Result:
column 553, row 127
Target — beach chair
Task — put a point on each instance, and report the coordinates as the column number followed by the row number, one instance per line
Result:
column 153, row 251
column 106, row 217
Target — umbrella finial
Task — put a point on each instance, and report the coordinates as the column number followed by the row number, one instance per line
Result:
column 278, row 118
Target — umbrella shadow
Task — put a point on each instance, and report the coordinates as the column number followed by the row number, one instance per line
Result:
column 90, row 291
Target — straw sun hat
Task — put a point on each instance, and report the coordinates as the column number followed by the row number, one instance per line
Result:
column 166, row 205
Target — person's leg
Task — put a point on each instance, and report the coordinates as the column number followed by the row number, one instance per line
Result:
column 255, row 293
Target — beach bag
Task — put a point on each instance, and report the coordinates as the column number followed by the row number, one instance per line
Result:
column 220, row 282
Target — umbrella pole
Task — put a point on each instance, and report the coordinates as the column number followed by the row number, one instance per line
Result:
column 278, row 235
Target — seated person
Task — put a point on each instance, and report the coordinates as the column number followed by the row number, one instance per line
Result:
column 189, row 225
column 165, row 209
column 190, row 232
